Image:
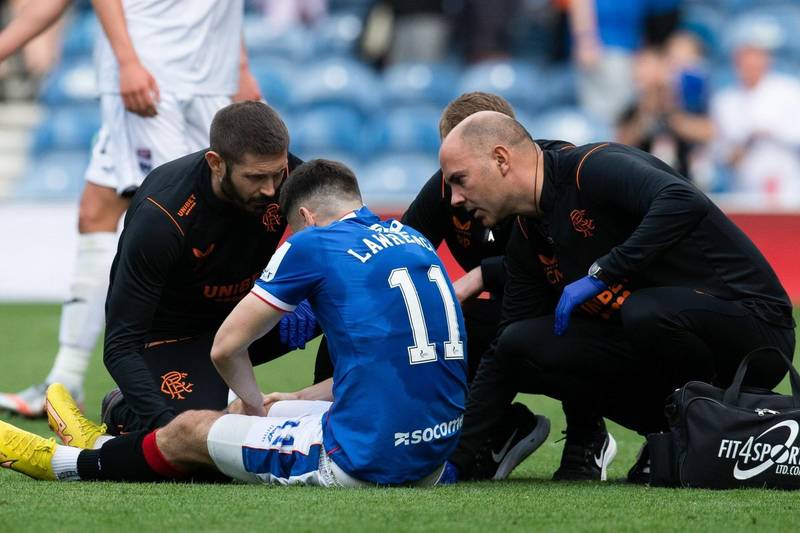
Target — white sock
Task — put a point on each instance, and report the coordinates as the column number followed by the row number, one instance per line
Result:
column 102, row 439
column 82, row 315
column 65, row 463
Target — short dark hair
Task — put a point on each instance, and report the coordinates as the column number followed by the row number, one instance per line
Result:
column 318, row 177
column 468, row 104
column 248, row 128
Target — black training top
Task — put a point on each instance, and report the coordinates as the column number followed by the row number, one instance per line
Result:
column 469, row 241
column 185, row 258
column 645, row 225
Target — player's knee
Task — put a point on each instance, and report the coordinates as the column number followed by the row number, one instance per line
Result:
column 100, row 210
column 525, row 342
column 641, row 314
column 191, row 425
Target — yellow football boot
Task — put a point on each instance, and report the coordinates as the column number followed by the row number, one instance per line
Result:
column 26, row 452
column 67, row 421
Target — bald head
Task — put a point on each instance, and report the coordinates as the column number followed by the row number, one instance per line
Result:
column 483, row 130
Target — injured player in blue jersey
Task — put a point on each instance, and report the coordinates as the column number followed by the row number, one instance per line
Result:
column 391, row 414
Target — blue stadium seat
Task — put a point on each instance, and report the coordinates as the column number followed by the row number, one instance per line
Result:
column 515, row 81
column 394, row 180
column 275, row 77
column 71, row 82
column 67, row 128
column 337, row 81
column 80, row 35
column 414, row 83
column 337, row 35
column 569, row 124
column 326, row 129
column 404, row 129
column 297, row 45
column 558, row 89
column 55, row 175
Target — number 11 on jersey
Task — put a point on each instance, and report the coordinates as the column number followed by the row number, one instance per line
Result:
column 423, row 351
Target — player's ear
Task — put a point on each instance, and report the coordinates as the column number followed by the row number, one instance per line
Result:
column 215, row 163
column 501, row 157
column 308, row 217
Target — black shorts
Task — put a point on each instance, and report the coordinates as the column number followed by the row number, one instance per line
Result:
column 183, row 372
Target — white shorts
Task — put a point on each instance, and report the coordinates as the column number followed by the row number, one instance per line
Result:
column 128, row 146
column 281, row 450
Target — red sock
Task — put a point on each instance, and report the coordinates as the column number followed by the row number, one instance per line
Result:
column 155, row 459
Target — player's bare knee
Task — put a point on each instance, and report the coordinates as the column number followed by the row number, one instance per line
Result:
column 183, row 441
column 100, row 209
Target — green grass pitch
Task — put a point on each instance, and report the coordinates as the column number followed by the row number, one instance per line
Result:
column 526, row 502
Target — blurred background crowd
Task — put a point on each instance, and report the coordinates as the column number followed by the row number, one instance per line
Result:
column 711, row 87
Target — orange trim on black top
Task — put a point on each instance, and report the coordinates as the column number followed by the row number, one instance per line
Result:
column 578, row 172
column 158, row 205
column 522, row 227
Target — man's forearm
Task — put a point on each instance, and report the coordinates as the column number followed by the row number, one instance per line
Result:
column 319, row 391
column 34, row 17
column 237, row 371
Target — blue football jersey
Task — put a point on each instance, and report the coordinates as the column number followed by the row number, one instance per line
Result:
column 396, row 337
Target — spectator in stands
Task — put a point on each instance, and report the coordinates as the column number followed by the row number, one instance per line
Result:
column 758, row 122
column 605, row 36
column 484, row 28
column 405, row 30
column 281, row 16
column 42, row 50
column 669, row 118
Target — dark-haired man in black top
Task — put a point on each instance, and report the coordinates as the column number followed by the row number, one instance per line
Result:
column 624, row 281
column 198, row 232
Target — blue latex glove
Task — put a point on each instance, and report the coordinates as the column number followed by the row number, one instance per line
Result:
column 298, row 327
column 574, row 295
column 449, row 474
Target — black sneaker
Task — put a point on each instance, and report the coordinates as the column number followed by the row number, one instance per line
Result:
column 110, row 401
column 640, row 471
column 586, row 458
column 519, row 435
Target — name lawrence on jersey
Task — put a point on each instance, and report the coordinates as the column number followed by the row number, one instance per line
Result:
column 384, row 238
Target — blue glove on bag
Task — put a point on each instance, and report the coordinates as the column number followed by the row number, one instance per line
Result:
column 298, row 327
column 574, row 295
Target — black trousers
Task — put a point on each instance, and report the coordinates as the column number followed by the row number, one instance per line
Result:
column 187, row 378
column 624, row 372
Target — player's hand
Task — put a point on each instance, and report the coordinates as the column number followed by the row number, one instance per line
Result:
column 248, row 87
column 574, row 295
column 469, row 285
column 298, row 327
column 139, row 89
column 271, row 398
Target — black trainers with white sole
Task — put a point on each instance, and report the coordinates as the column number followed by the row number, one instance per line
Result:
column 586, row 458
column 520, row 434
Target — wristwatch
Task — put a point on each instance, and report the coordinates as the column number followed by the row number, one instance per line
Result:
column 596, row 272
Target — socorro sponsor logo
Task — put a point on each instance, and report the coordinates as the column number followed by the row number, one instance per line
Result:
column 435, row 432
column 755, row 455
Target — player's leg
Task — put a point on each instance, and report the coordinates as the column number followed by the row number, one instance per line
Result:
column 82, row 314
column 137, row 456
column 517, row 433
column 590, row 369
column 284, row 451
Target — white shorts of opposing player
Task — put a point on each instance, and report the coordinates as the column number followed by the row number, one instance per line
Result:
column 284, row 448
column 129, row 146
